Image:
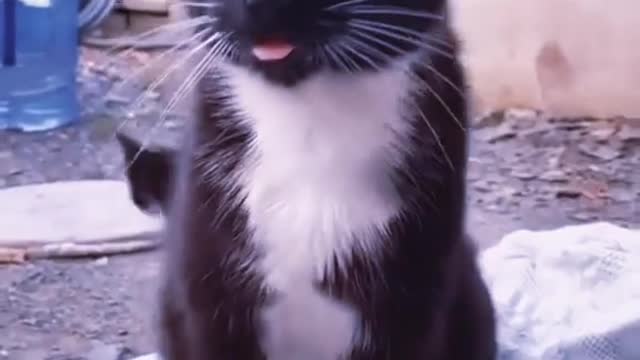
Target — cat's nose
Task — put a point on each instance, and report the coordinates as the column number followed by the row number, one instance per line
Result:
column 273, row 18
column 266, row 16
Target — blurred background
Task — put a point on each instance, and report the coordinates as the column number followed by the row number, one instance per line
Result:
column 555, row 140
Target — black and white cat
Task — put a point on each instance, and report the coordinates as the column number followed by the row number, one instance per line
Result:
column 317, row 207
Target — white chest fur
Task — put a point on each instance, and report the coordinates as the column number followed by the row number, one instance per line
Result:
column 317, row 188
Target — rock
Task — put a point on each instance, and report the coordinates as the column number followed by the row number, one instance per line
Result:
column 497, row 134
column 583, row 217
column 10, row 167
column 108, row 352
column 482, row 186
column 622, row 193
column 554, row 176
column 154, row 356
column 522, row 113
column 32, row 354
column 523, row 174
column 103, row 128
column 598, row 151
column 118, row 99
column 603, row 134
column 554, row 156
column 103, row 261
column 489, row 120
column 76, row 212
column 629, row 133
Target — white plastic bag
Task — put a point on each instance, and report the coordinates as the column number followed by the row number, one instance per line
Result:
column 567, row 294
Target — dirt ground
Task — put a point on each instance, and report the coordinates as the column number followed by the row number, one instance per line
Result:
column 525, row 171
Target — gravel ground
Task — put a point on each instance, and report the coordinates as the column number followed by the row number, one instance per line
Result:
column 525, row 171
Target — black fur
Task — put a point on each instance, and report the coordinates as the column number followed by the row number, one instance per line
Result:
column 424, row 301
column 310, row 25
column 150, row 175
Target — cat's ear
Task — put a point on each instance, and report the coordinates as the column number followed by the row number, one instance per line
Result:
column 130, row 147
column 149, row 173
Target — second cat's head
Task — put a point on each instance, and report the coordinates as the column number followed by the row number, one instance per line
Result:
column 149, row 174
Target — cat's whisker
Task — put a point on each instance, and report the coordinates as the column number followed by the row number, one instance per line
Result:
column 414, row 76
column 234, row 53
column 370, row 50
column 343, row 50
column 439, row 98
column 116, row 53
column 391, row 10
column 325, row 58
column 427, row 66
column 403, row 30
column 220, row 48
column 331, row 53
column 396, row 36
column 373, row 39
column 174, row 27
column 193, row 4
column 429, row 197
column 320, row 55
column 448, row 81
column 162, row 77
column 200, row 70
column 162, row 56
column 344, row 4
column 345, row 57
column 351, row 40
column 433, row 131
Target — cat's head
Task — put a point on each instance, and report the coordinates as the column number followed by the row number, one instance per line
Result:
column 287, row 40
column 149, row 174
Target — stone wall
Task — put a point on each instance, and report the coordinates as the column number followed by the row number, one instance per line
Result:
column 567, row 57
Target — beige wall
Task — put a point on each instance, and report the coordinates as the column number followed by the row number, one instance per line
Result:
column 567, row 57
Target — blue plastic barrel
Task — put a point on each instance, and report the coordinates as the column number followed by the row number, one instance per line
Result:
column 38, row 60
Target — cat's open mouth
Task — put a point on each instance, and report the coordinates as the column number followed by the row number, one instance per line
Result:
column 279, row 59
column 272, row 50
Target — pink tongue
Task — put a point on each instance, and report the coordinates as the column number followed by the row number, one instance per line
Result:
column 270, row 51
